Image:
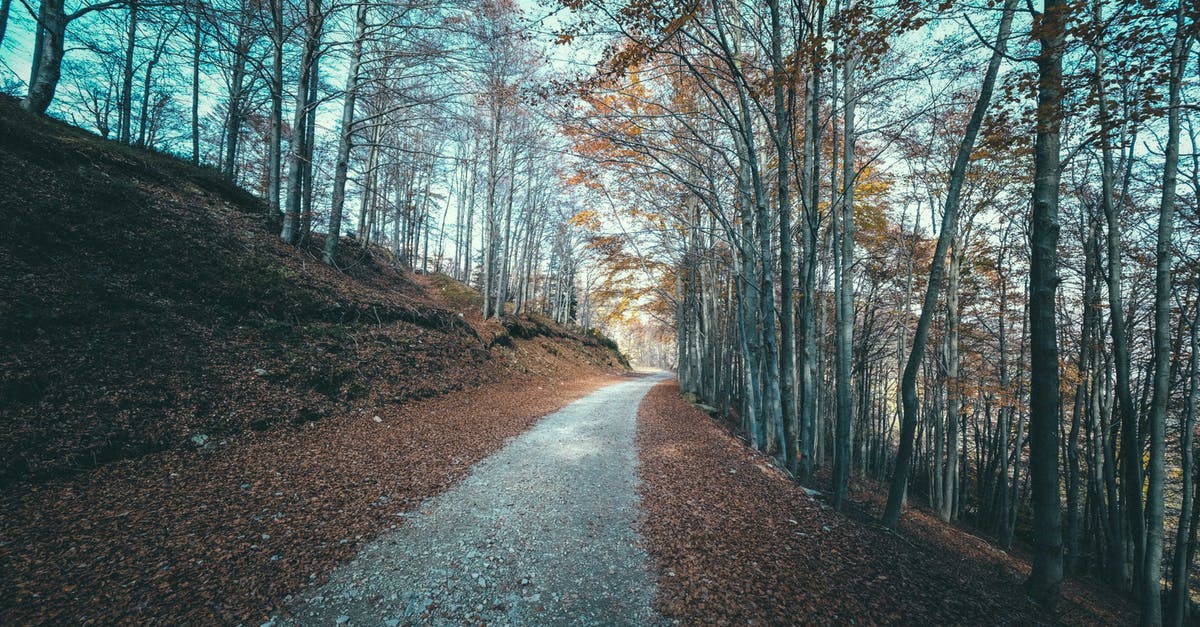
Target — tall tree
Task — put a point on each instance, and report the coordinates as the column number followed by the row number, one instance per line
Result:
column 1045, row 579
column 48, row 49
column 1155, row 498
column 300, row 152
column 346, row 143
column 949, row 228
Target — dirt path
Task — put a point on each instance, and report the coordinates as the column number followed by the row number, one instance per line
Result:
column 541, row 533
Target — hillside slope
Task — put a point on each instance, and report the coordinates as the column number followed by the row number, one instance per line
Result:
column 740, row 543
column 148, row 305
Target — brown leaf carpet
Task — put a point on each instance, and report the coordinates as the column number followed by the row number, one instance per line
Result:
column 736, row 542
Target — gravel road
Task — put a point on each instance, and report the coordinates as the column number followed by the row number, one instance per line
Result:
column 541, row 533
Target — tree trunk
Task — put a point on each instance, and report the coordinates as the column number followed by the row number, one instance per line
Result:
column 1156, row 472
column 787, row 321
column 5, row 7
column 811, row 221
column 1182, row 564
column 233, row 116
column 489, row 235
column 197, row 46
column 370, row 176
column 47, row 56
column 299, row 152
column 844, row 325
column 147, row 84
column 1130, row 459
column 908, row 383
column 125, row 102
column 1091, row 306
column 1044, row 584
column 502, row 287
column 953, row 385
column 275, row 147
column 346, row 143
column 310, row 137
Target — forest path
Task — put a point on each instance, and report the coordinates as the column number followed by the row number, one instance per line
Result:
column 540, row 533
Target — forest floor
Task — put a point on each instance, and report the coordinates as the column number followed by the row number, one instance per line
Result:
column 737, row 542
column 627, row 506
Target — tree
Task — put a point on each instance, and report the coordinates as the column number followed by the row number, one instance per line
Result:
column 301, row 151
column 946, row 234
column 1045, row 579
column 346, row 143
column 1155, row 498
column 48, row 48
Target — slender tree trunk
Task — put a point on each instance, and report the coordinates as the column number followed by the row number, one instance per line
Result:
column 1187, row 421
column 843, row 449
column 346, row 143
column 489, row 235
column 197, row 46
column 1081, row 401
column 1150, row 592
column 808, row 349
column 783, row 133
column 5, row 7
column 125, row 103
column 1130, row 460
column 310, row 137
column 370, row 176
column 1013, row 498
column 1091, row 306
column 233, row 116
column 275, row 147
column 299, row 152
column 908, row 383
column 502, row 288
column 953, row 385
column 147, row 84
column 469, row 228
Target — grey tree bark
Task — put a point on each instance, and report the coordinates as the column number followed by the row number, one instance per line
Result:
column 1187, row 421
column 787, row 323
column 299, row 152
column 811, row 177
column 197, row 46
column 5, row 8
column 346, row 140
column 844, row 319
column 1156, row 472
column 1130, row 460
column 275, row 147
column 237, row 85
column 125, row 100
column 1044, row 584
column 953, row 385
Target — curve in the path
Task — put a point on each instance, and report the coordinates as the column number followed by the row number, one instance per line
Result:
column 541, row 533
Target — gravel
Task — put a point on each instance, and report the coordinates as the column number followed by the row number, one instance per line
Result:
column 542, row 532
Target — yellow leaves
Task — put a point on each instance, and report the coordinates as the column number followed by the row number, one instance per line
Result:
column 870, row 202
column 584, row 179
column 587, row 220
